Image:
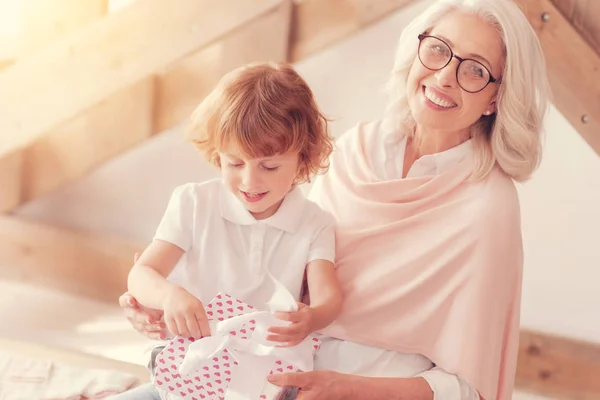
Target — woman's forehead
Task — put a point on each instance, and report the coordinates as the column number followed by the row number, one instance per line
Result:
column 469, row 35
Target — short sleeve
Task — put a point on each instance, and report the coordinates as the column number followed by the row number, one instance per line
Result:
column 176, row 226
column 322, row 246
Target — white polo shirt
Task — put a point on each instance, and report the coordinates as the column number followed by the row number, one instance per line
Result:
column 228, row 250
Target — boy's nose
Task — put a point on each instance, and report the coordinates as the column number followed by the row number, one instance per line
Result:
column 250, row 178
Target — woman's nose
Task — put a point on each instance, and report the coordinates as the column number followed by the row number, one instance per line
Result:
column 446, row 76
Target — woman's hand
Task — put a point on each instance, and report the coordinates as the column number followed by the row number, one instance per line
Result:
column 301, row 326
column 316, row 385
column 184, row 314
column 147, row 321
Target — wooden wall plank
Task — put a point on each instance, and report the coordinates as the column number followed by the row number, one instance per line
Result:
column 558, row 367
column 182, row 87
column 8, row 51
column 43, row 21
column 88, row 140
column 180, row 84
column 320, row 23
column 11, row 167
column 79, row 263
column 116, row 122
column 584, row 16
column 573, row 68
column 73, row 74
column 566, row 7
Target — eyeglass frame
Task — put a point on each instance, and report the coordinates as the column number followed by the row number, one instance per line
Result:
column 422, row 36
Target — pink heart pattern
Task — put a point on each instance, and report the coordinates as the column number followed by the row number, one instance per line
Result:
column 212, row 380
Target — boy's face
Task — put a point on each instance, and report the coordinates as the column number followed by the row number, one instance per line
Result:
column 261, row 183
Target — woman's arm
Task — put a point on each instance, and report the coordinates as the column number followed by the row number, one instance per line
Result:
column 329, row 385
column 147, row 281
column 390, row 389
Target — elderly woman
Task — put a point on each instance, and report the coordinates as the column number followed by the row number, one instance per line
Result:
column 428, row 240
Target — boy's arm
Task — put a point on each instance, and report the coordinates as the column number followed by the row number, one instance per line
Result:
column 325, row 293
column 147, row 280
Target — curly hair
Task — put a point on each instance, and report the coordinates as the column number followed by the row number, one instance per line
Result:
column 263, row 109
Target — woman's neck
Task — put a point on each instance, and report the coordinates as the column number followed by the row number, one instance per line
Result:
column 428, row 141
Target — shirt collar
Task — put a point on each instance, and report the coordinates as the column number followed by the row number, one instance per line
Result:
column 394, row 145
column 447, row 159
column 287, row 218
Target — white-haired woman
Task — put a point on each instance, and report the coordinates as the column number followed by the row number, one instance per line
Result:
column 428, row 239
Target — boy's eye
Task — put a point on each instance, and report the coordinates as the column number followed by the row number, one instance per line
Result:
column 235, row 165
column 270, row 168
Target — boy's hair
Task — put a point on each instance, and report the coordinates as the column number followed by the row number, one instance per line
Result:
column 263, row 109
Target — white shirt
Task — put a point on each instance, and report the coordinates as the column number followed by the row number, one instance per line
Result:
column 354, row 358
column 228, row 250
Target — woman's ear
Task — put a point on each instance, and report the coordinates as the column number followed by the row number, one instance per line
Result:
column 491, row 108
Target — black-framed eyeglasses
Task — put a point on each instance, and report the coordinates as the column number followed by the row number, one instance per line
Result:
column 435, row 54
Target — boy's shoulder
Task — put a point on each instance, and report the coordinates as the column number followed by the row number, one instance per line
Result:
column 315, row 214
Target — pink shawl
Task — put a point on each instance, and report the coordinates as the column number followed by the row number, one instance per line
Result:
column 429, row 265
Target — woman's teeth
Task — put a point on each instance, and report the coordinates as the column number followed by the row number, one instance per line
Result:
column 436, row 100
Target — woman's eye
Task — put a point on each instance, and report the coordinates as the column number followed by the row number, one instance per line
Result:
column 477, row 71
column 234, row 165
column 271, row 168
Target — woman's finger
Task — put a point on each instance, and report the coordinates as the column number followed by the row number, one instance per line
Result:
column 153, row 316
column 157, row 327
column 157, row 335
column 293, row 379
column 127, row 301
column 136, row 316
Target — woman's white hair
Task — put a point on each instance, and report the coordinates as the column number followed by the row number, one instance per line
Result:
column 510, row 137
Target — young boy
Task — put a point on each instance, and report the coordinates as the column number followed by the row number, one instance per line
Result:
column 262, row 128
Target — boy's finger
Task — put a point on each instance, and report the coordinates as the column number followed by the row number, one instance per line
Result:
column 193, row 327
column 281, row 338
column 182, row 329
column 291, row 343
column 204, row 326
column 293, row 316
column 172, row 327
column 284, row 330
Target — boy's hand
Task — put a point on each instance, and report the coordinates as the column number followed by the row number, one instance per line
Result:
column 297, row 331
column 184, row 314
